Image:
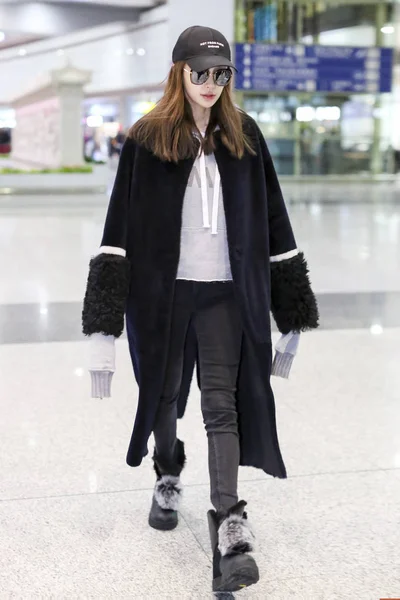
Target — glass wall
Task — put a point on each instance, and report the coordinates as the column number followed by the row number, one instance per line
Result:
column 293, row 20
column 322, row 133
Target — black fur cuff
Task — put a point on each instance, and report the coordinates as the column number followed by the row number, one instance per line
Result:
column 106, row 295
column 293, row 303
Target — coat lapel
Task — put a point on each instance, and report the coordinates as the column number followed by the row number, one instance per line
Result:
column 247, row 227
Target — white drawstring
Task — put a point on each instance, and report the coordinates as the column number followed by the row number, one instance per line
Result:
column 204, row 194
column 217, row 182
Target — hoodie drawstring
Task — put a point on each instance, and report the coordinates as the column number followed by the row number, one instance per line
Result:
column 217, row 182
column 204, row 195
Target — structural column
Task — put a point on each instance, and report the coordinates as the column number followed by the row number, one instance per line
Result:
column 48, row 132
column 376, row 156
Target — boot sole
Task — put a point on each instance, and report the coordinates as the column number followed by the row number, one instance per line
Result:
column 241, row 573
column 163, row 525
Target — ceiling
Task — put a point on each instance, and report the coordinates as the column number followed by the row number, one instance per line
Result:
column 119, row 3
column 25, row 21
column 17, row 39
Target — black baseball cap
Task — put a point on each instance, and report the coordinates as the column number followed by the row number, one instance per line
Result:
column 203, row 48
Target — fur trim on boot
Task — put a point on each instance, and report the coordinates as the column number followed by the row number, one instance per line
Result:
column 168, row 467
column 237, row 569
column 167, row 492
column 235, row 535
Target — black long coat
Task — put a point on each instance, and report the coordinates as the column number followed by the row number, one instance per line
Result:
column 144, row 217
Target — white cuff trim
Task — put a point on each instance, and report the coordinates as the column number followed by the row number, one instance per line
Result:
column 101, row 383
column 101, row 352
column 285, row 256
column 289, row 343
column 286, row 349
column 282, row 365
column 112, row 250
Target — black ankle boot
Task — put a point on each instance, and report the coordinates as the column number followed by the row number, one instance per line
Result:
column 231, row 541
column 167, row 491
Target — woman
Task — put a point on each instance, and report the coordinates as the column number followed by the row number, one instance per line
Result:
column 200, row 289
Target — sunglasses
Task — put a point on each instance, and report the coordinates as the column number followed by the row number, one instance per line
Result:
column 221, row 76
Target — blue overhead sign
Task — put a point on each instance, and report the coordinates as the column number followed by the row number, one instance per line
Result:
column 287, row 67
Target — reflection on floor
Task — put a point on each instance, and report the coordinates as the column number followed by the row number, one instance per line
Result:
column 73, row 516
column 61, row 321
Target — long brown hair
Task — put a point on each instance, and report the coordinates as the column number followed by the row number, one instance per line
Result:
column 167, row 130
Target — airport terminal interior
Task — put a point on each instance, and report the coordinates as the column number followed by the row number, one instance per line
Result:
column 74, row 76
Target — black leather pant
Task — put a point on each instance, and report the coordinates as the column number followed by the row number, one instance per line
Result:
column 217, row 323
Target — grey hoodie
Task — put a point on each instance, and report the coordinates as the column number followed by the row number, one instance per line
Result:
column 204, row 245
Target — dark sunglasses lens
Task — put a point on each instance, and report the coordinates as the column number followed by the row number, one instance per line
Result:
column 200, row 77
column 223, row 76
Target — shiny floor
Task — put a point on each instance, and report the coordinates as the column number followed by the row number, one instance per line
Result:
column 73, row 516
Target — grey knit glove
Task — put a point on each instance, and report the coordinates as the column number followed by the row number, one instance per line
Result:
column 286, row 350
column 102, row 364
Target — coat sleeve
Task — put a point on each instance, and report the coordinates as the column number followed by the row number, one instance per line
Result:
column 108, row 282
column 293, row 303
